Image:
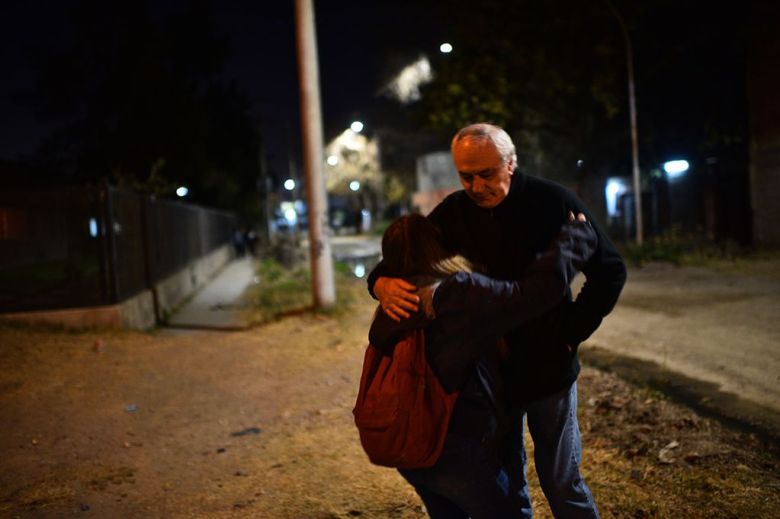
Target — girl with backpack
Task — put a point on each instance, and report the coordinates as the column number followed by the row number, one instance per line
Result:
column 463, row 316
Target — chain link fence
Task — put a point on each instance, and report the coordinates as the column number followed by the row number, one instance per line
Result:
column 79, row 247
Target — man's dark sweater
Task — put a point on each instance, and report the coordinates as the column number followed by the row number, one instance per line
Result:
column 502, row 242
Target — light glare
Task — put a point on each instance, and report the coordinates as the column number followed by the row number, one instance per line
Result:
column 675, row 168
column 354, row 185
column 445, row 48
column 289, row 184
column 356, row 126
column 406, row 86
column 182, row 191
column 616, row 187
column 332, row 160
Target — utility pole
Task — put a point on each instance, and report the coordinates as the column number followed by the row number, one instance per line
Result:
column 263, row 185
column 311, row 125
column 634, row 136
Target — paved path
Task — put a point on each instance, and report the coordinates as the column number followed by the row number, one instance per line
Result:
column 216, row 305
column 360, row 246
column 716, row 332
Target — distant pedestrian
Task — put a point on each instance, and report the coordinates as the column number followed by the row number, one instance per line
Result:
column 239, row 243
column 251, row 242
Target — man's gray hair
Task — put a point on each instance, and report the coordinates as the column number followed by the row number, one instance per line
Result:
column 497, row 135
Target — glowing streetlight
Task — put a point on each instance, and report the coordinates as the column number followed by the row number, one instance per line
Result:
column 356, row 126
column 93, row 227
column 332, row 160
column 289, row 184
column 291, row 216
column 445, row 48
column 676, row 168
column 182, row 191
column 354, row 185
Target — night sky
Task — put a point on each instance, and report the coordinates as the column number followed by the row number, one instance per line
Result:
column 682, row 75
column 353, row 38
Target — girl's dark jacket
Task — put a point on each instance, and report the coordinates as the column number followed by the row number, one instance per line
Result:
column 471, row 312
column 503, row 243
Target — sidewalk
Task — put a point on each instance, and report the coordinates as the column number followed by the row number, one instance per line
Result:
column 353, row 247
column 216, row 305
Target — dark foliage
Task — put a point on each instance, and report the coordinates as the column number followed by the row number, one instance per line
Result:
column 137, row 99
column 554, row 74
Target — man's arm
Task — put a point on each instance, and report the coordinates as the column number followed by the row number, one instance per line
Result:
column 605, row 275
column 479, row 309
column 377, row 272
column 396, row 296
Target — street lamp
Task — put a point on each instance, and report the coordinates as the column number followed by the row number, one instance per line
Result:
column 634, row 138
column 445, row 48
column 676, row 168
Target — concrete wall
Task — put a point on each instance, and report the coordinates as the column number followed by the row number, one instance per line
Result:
column 177, row 288
column 138, row 311
column 135, row 313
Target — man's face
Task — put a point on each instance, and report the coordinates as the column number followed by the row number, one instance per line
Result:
column 484, row 176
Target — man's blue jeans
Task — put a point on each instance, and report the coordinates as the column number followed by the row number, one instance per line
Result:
column 552, row 422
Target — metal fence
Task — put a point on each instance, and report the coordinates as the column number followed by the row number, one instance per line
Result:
column 80, row 247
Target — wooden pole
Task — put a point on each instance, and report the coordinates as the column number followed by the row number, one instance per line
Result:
column 323, row 288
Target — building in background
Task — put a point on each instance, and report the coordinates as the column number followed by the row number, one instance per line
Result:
column 436, row 178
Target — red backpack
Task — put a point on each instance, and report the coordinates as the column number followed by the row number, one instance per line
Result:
column 402, row 413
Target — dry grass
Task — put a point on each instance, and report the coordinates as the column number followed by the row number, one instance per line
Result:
column 283, row 292
column 295, row 379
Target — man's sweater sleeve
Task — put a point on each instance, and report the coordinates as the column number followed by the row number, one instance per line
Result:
column 605, row 275
column 377, row 272
column 499, row 306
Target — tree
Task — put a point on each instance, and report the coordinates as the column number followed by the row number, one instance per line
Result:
column 138, row 100
column 547, row 71
column 553, row 73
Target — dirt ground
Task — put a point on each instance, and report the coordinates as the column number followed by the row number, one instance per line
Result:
column 258, row 424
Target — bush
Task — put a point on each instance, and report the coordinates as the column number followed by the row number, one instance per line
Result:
column 282, row 291
column 682, row 248
column 286, row 250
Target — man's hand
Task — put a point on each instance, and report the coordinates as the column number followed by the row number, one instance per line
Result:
column 580, row 217
column 396, row 297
